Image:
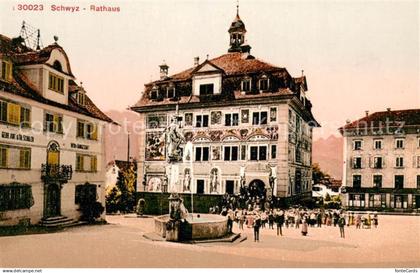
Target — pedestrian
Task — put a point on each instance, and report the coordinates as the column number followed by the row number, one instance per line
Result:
column 375, row 220
column 304, row 226
column 257, row 226
column 358, row 220
column 231, row 217
column 298, row 219
column 271, row 219
column 319, row 219
column 263, row 219
column 279, row 221
column 341, row 225
column 241, row 219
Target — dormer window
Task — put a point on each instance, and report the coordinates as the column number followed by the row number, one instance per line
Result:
column 154, row 93
column 246, row 85
column 206, row 89
column 263, row 83
column 81, row 97
column 171, row 91
column 56, row 83
column 57, row 66
column 6, row 71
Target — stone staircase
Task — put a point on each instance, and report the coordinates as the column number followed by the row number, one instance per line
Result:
column 58, row 221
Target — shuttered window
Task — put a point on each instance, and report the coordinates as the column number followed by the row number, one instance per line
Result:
column 56, row 83
column 6, row 71
column 53, row 123
column 12, row 157
column 86, row 163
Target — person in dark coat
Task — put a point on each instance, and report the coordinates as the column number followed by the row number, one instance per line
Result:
column 279, row 219
column 257, row 226
column 341, row 225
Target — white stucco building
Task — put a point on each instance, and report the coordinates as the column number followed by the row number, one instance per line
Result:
column 51, row 136
column 381, row 166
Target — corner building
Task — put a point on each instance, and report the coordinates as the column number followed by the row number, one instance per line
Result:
column 381, row 168
column 250, row 124
column 51, row 137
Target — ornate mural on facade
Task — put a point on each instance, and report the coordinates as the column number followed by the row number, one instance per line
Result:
column 154, row 184
column 188, row 119
column 216, row 117
column 155, row 146
column 273, row 114
column 245, row 116
column 214, row 180
column 156, row 121
column 215, row 153
column 187, row 180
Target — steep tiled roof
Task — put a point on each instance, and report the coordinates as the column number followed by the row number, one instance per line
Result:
column 235, row 63
column 22, row 86
column 408, row 117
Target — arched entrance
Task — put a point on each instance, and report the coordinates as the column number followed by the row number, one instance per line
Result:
column 257, row 188
column 53, row 202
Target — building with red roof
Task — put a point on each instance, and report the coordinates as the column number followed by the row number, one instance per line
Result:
column 244, row 123
column 51, row 144
column 381, row 168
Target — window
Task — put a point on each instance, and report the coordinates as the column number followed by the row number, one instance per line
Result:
column 273, row 151
column 258, row 153
column 263, row 84
column 87, row 130
column 259, row 118
column 232, row 119
column 201, row 153
column 399, row 181
column 86, row 163
column 6, row 71
column 15, row 114
column 356, row 200
column 357, row 181
column 206, row 89
column 154, row 93
column 418, row 181
column 202, row 121
column 53, row 123
column 85, row 193
column 12, row 157
column 246, row 85
column 25, row 117
column 243, row 152
column 357, row 162
column 399, row 143
column 171, row 92
column 298, row 154
column 377, row 200
column 357, row 145
column 377, row 162
column 231, row 153
column 15, row 196
column 377, row 181
column 399, row 162
column 81, row 98
column 56, row 83
column 377, row 144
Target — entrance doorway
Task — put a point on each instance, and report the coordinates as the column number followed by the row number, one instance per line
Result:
column 257, row 188
column 230, row 185
column 417, row 201
column 200, row 186
column 53, row 202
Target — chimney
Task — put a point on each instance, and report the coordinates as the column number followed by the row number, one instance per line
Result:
column 367, row 113
column 196, row 61
column 388, row 109
column 163, row 70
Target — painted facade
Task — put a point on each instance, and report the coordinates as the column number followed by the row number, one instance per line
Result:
column 243, row 121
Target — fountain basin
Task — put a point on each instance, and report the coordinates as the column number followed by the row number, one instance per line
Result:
column 207, row 226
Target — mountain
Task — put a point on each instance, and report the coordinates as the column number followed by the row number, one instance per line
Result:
column 116, row 137
column 328, row 153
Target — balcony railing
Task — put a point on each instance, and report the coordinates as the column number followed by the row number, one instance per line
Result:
column 56, row 172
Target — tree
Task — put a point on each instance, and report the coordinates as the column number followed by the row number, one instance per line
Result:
column 317, row 174
column 125, row 184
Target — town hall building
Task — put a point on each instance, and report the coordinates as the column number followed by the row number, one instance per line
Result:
column 246, row 123
column 51, row 137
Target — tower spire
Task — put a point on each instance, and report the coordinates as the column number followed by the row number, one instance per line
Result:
column 237, row 8
column 237, row 33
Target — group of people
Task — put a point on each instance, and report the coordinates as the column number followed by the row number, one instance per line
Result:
column 298, row 218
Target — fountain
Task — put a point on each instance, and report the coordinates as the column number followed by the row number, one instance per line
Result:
column 179, row 224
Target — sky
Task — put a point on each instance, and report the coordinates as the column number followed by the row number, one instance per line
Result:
column 356, row 55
